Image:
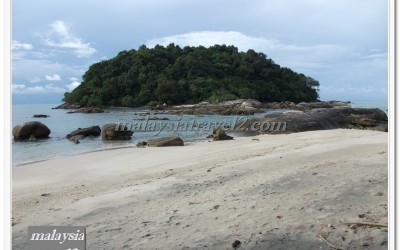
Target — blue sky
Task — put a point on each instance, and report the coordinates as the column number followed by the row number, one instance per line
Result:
column 340, row 43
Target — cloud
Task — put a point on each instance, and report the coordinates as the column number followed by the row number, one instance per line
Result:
column 377, row 55
column 34, row 79
column 27, row 70
column 73, row 79
column 60, row 36
column 23, row 89
column 21, row 46
column 54, row 77
column 16, row 87
column 210, row 38
column 72, row 85
column 349, row 88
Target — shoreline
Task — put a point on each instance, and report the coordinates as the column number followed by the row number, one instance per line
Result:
column 187, row 143
column 20, row 158
column 275, row 192
column 71, row 154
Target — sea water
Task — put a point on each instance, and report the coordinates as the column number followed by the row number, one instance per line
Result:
column 60, row 123
column 383, row 105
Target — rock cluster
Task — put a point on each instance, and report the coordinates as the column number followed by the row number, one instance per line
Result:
column 68, row 106
column 305, row 105
column 320, row 119
column 235, row 107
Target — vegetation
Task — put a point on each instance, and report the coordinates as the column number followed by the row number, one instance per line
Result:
column 175, row 75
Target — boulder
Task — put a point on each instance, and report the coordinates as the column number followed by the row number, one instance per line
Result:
column 165, row 142
column 240, row 110
column 116, row 132
column 220, row 135
column 31, row 130
column 319, row 119
column 40, row 116
column 141, row 144
column 81, row 133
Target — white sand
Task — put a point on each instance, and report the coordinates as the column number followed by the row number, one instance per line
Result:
column 269, row 192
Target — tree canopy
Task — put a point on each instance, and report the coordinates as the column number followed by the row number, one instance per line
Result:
column 175, row 75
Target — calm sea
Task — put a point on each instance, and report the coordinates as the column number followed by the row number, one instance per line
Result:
column 61, row 123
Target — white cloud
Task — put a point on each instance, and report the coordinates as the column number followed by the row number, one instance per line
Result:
column 16, row 87
column 23, row 89
column 72, row 85
column 73, row 79
column 377, row 55
column 54, row 89
column 210, row 38
column 34, row 79
column 26, row 69
column 21, row 46
column 54, row 77
column 348, row 88
column 60, row 36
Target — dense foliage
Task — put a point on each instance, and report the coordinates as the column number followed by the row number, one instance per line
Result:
column 175, row 75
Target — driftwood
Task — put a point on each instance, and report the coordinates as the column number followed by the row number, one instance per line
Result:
column 373, row 224
column 328, row 243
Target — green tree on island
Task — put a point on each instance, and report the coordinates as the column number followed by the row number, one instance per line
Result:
column 175, row 75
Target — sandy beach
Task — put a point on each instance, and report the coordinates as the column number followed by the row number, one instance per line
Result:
column 296, row 191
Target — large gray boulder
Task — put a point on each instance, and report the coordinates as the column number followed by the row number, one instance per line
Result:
column 116, row 132
column 319, row 119
column 31, row 130
column 89, row 131
column 165, row 142
column 81, row 133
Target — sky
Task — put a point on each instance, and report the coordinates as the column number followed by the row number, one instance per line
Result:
column 340, row 43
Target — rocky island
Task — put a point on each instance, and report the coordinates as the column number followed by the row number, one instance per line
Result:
column 174, row 76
